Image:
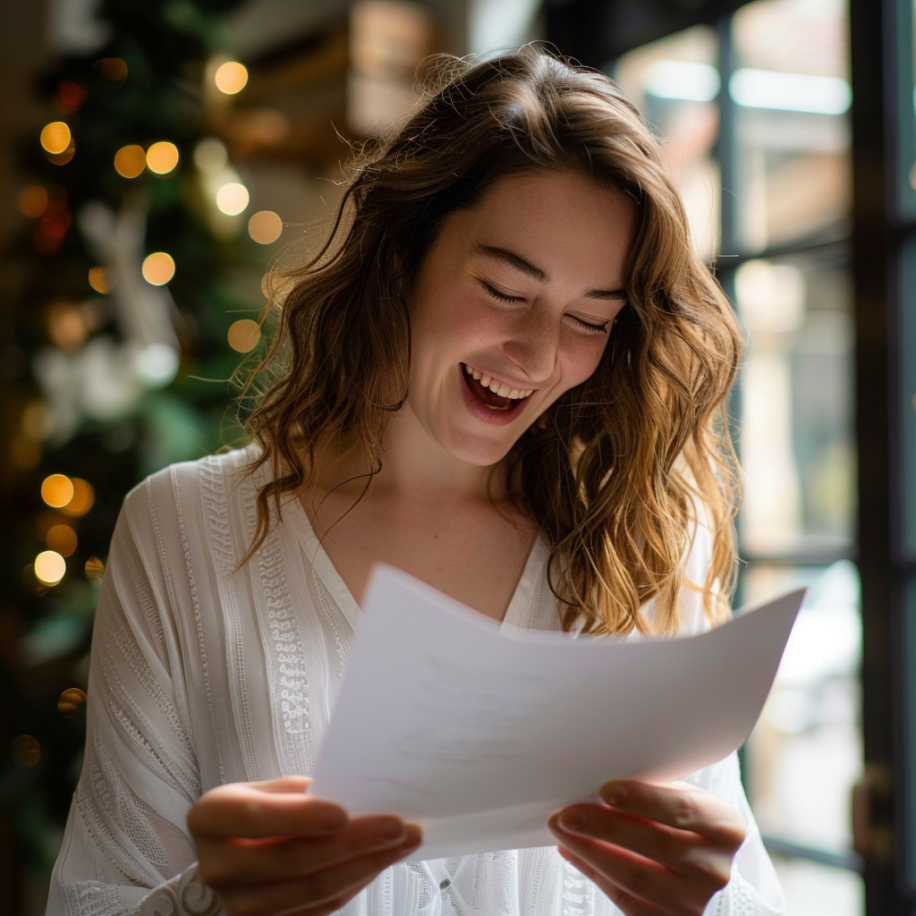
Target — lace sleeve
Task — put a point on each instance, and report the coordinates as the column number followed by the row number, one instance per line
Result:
column 126, row 849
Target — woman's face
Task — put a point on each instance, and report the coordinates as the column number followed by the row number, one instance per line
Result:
column 512, row 307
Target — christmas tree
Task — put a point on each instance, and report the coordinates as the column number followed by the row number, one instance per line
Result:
column 128, row 328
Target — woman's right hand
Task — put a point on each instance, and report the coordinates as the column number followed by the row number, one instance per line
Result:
column 268, row 848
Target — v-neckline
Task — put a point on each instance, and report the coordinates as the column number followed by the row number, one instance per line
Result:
column 518, row 613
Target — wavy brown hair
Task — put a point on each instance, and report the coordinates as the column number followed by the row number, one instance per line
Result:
column 618, row 472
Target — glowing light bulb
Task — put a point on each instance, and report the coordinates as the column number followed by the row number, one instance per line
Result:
column 98, row 280
column 231, row 77
column 244, row 335
column 265, row 227
column 57, row 490
column 232, row 198
column 162, row 157
column 158, row 268
column 50, row 567
column 25, row 750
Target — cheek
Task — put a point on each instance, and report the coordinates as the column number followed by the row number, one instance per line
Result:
column 583, row 361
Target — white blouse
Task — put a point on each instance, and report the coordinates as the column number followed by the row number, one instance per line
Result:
column 204, row 673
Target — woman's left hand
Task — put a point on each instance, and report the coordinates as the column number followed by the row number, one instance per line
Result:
column 652, row 849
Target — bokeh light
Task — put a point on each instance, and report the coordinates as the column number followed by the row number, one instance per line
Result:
column 50, row 567
column 157, row 364
column 231, row 77
column 25, row 750
column 55, row 137
column 66, row 325
column 130, row 161
column 35, row 421
column 232, row 198
column 94, row 569
column 244, row 335
column 158, row 268
column 112, row 69
column 70, row 700
column 57, row 490
column 265, row 226
column 98, row 280
column 61, row 539
column 82, row 500
column 162, row 157
column 32, row 201
column 64, row 157
column 211, row 155
column 70, row 95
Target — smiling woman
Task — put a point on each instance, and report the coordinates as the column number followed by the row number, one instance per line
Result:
column 505, row 373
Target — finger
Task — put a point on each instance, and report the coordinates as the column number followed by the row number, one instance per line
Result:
column 242, row 809
column 677, row 849
column 679, row 805
column 625, row 902
column 690, row 887
column 229, row 862
column 312, row 893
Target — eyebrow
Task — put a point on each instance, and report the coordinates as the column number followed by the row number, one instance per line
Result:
column 513, row 259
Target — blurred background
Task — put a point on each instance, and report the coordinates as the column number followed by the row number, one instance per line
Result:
column 156, row 158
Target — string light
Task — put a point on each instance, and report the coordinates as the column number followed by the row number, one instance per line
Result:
column 232, row 198
column 25, row 750
column 94, row 569
column 55, row 137
column 158, row 268
column 64, row 157
column 98, row 280
column 244, row 335
column 32, row 201
column 61, row 539
column 82, row 500
column 67, row 325
column 162, row 157
column 70, row 700
column 265, row 227
column 130, row 161
column 231, row 77
column 50, row 567
column 57, row 490
column 112, row 69
column 70, row 95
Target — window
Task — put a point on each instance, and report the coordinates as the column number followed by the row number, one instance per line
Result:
column 754, row 118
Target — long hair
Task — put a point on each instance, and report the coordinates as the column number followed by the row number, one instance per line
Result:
column 620, row 471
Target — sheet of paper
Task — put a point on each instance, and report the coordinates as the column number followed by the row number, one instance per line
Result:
column 478, row 732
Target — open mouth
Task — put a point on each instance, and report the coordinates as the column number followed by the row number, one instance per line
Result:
column 495, row 395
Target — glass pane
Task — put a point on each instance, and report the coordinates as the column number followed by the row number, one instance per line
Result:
column 907, row 407
column 817, row 890
column 796, row 437
column 805, row 753
column 675, row 83
column 792, row 95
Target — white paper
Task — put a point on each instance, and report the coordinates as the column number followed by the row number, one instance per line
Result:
column 478, row 732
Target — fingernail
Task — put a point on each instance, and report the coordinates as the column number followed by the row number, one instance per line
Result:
column 391, row 828
column 573, row 820
column 613, row 793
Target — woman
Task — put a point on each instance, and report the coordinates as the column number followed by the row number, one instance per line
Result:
column 505, row 373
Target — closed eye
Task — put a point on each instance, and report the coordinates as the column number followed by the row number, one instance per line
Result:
column 496, row 294
column 593, row 328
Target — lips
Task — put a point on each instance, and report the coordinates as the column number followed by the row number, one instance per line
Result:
column 503, row 403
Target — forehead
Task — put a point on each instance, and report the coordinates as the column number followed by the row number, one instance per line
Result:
column 566, row 223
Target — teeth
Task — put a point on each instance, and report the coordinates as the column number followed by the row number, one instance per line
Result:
column 500, row 388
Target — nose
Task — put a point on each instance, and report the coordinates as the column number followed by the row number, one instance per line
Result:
column 533, row 345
